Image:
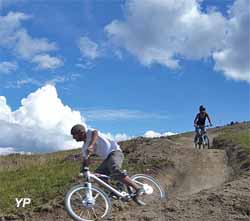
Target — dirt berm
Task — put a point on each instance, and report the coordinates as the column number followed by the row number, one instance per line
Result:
column 204, row 185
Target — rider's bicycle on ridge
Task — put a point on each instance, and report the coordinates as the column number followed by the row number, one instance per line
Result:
column 108, row 150
column 200, row 121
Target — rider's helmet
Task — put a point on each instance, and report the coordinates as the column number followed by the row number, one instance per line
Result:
column 202, row 108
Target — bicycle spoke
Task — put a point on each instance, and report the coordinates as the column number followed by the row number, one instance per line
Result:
column 81, row 213
column 89, row 214
column 79, row 195
column 93, row 210
column 95, row 197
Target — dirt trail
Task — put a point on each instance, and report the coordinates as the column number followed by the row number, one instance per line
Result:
column 201, row 169
column 200, row 186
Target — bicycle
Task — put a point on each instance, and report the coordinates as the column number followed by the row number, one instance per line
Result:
column 86, row 202
column 201, row 138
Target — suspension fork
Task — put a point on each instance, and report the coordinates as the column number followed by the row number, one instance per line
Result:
column 88, row 184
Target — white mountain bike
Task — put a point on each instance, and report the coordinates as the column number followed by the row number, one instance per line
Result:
column 201, row 139
column 86, row 202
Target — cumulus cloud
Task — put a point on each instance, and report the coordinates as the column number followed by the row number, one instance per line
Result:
column 234, row 58
column 7, row 67
column 152, row 134
column 15, row 37
column 89, row 49
column 41, row 123
column 159, row 31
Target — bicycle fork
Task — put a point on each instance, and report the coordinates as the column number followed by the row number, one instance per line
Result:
column 89, row 200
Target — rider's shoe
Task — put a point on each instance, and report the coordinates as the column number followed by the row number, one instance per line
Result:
column 139, row 192
column 113, row 196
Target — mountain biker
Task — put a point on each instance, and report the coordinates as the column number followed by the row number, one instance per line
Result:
column 200, row 121
column 108, row 150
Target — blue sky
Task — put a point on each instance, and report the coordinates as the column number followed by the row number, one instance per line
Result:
column 129, row 66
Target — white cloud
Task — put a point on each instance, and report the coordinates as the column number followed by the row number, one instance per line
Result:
column 22, row 82
column 89, row 49
column 119, row 114
column 156, row 31
column 152, row 134
column 7, row 67
column 159, row 31
column 27, row 47
column 41, row 123
column 234, row 58
column 118, row 137
column 15, row 38
column 6, row 150
column 30, row 81
column 45, row 61
column 5, row 111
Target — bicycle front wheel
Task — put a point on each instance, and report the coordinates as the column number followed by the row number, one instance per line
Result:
column 80, row 209
column 153, row 190
column 207, row 141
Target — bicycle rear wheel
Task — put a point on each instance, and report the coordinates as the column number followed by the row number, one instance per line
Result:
column 78, row 207
column 152, row 188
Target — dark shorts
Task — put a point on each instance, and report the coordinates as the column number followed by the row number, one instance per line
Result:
column 200, row 128
column 111, row 166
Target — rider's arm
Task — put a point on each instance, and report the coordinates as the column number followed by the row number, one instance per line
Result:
column 196, row 118
column 93, row 140
column 87, row 148
column 209, row 119
column 85, row 161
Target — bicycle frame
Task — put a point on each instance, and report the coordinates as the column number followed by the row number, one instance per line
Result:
column 90, row 176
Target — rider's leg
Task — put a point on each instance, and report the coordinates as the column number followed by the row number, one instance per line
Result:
column 202, row 129
column 196, row 134
column 114, row 165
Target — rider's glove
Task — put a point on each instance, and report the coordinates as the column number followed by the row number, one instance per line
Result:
column 82, row 167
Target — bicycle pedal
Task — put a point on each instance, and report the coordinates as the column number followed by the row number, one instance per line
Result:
column 113, row 196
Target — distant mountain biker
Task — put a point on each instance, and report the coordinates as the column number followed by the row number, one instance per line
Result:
column 108, row 150
column 200, row 121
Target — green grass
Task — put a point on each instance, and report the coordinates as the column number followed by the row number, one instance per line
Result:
column 243, row 139
column 41, row 183
column 238, row 137
column 45, row 177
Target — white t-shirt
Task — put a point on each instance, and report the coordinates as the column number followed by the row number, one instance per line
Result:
column 103, row 147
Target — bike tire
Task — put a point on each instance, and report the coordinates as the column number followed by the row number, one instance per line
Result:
column 78, row 217
column 149, row 182
column 207, row 142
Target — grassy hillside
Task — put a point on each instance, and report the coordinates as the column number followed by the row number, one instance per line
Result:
column 39, row 177
column 237, row 134
column 43, row 178
column 46, row 177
